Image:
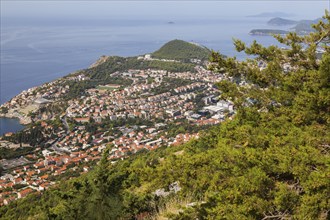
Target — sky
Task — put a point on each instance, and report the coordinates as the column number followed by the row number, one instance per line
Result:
column 59, row 9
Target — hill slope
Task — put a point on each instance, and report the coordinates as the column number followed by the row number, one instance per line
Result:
column 271, row 161
column 182, row 50
column 305, row 26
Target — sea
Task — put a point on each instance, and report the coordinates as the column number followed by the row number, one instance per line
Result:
column 40, row 51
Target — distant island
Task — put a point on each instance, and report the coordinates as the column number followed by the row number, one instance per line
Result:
column 271, row 14
column 266, row 32
column 305, row 26
column 281, row 22
column 301, row 27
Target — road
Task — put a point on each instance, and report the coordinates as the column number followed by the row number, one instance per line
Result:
column 54, row 144
column 65, row 123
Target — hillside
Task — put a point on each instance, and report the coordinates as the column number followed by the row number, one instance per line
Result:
column 103, row 71
column 305, row 26
column 270, row 161
column 182, row 50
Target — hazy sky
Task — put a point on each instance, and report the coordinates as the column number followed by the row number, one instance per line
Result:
column 157, row 9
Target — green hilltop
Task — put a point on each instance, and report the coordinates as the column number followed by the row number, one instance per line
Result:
column 182, row 50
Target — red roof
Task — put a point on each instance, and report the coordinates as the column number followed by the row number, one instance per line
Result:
column 24, row 192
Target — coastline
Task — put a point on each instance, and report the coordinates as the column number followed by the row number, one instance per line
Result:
column 10, row 125
column 23, row 120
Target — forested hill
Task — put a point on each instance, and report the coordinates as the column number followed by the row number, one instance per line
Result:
column 173, row 50
column 271, row 161
column 182, row 50
column 105, row 69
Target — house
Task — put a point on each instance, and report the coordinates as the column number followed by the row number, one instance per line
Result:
column 8, row 134
column 43, row 186
column 8, row 185
column 195, row 116
column 18, row 180
column 26, row 168
column 44, row 177
column 8, row 200
column 42, row 170
column 30, row 173
column 59, row 171
column 24, row 192
column 225, row 105
column 39, row 165
column 173, row 112
column 82, row 120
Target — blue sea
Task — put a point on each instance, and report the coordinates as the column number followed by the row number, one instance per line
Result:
column 40, row 51
column 9, row 125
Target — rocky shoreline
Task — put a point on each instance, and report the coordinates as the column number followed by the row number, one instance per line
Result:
column 23, row 120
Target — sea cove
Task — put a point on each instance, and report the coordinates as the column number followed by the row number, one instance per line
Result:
column 9, row 125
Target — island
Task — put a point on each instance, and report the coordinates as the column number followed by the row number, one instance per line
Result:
column 281, row 22
column 271, row 14
column 267, row 32
column 302, row 27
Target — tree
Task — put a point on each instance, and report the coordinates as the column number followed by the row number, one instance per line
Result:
column 271, row 161
column 4, row 110
column 275, row 117
column 282, row 84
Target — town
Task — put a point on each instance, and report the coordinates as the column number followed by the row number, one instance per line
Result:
column 159, row 109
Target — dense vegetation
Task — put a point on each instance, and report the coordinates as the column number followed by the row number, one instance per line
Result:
column 78, row 89
column 270, row 162
column 181, row 50
column 35, row 135
column 8, row 153
column 167, row 83
column 122, row 64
